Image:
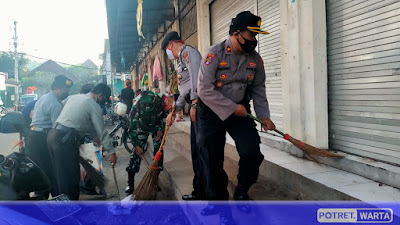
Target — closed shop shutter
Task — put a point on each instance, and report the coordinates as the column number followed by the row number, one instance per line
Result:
column 364, row 78
column 270, row 51
column 222, row 12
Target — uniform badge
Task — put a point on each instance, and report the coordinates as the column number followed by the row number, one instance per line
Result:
column 186, row 56
column 228, row 49
column 223, row 63
column 252, row 64
column 223, row 76
column 250, row 77
column 219, row 84
column 68, row 82
column 210, row 58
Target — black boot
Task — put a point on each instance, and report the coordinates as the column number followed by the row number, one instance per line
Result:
column 131, row 183
column 189, row 197
column 129, row 190
column 241, row 195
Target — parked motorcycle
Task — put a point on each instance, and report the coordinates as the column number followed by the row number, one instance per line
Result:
column 123, row 123
column 19, row 175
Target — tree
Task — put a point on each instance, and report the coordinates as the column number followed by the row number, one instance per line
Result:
column 42, row 80
column 7, row 64
column 82, row 76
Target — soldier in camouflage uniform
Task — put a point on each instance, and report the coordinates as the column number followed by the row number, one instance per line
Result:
column 146, row 117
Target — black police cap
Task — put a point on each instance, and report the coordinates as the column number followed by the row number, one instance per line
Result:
column 171, row 36
column 247, row 21
column 62, row 81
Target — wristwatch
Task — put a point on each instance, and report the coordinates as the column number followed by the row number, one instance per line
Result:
column 194, row 105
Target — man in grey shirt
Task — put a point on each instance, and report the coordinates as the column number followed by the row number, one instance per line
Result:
column 81, row 114
column 232, row 74
column 189, row 63
column 45, row 113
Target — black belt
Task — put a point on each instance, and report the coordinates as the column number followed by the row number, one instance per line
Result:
column 63, row 128
column 69, row 133
column 39, row 129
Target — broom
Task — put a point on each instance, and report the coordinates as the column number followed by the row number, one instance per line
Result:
column 148, row 186
column 310, row 151
column 98, row 179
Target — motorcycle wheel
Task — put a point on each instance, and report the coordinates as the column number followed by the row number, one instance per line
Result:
column 127, row 142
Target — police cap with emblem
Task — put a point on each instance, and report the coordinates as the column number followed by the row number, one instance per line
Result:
column 171, row 36
column 246, row 21
column 61, row 81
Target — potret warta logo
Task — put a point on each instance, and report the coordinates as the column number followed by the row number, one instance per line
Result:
column 355, row 215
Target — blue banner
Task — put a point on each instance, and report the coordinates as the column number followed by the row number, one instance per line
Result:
column 180, row 212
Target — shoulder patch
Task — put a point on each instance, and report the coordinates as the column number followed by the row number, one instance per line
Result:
column 210, row 58
column 185, row 55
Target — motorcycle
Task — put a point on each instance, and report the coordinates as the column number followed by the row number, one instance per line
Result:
column 19, row 175
column 123, row 123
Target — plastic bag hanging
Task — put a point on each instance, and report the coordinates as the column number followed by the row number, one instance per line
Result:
column 139, row 18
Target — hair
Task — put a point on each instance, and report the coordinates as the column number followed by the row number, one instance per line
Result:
column 233, row 29
column 86, row 88
column 128, row 83
column 102, row 89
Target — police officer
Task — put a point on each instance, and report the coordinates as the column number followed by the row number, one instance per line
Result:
column 146, row 117
column 45, row 113
column 81, row 114
column 189, row 63
column 231, row 74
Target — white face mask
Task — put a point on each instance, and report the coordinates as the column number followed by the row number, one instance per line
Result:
column 170, row 54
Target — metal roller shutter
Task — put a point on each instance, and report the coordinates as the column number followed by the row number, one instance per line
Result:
column 270, row 50
column 222, row 12
column 364, row 78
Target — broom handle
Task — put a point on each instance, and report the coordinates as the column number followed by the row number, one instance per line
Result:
column 165, row 133
column 262, row 122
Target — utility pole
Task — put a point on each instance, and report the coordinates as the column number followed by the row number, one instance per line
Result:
column 16, row 57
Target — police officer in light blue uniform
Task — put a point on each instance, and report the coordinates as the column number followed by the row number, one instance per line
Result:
column 189, row 63
column 231, row 74
column 45, row 113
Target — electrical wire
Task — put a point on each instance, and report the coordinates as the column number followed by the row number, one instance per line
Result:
column 68, row 64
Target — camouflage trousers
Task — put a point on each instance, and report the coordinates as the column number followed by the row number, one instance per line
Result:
column 134, row 162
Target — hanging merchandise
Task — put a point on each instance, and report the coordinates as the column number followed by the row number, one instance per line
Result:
column 157, row 69
column 145, row 80
column 139, row 18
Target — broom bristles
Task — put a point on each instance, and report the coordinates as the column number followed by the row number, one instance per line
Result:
column 311, row 152
column 98, row 179
column 148, row 186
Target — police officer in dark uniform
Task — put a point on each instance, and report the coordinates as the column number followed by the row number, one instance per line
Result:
column 231, row 74
column 189, row 62
column 45, row 113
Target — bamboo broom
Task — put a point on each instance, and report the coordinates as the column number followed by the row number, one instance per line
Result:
column 310, row 151
column 148, row 186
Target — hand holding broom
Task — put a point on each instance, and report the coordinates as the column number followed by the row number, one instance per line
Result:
column 148, row 186
column 310, row 151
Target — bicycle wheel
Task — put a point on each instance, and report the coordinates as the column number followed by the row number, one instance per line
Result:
column 127, row 142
